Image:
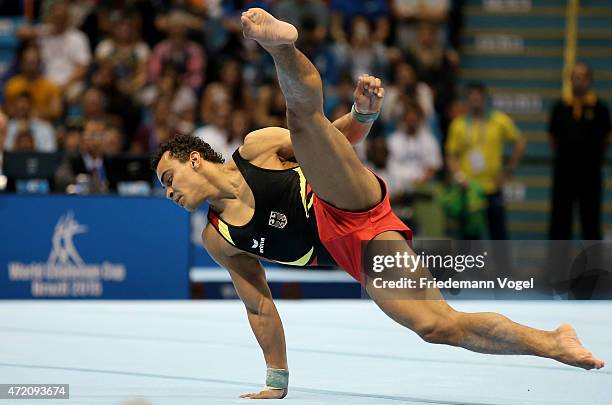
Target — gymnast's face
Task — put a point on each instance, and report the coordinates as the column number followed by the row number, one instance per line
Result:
column 183, row 184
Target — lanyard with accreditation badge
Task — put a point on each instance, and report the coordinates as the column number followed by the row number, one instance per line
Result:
column 477, row 140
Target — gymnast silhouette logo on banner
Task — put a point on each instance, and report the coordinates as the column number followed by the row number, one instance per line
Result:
column 63, row 251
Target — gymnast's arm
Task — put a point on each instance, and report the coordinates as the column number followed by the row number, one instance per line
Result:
column 249, row 279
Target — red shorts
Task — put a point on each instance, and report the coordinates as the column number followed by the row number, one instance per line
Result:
column 343, row 232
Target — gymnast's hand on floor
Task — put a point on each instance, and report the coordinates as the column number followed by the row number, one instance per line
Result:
column 267, row 393
column 369, row 94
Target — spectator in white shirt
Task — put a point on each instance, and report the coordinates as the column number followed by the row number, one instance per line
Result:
column 216, row 133
column 65, row 50
column 406, row 83
column 414, row 153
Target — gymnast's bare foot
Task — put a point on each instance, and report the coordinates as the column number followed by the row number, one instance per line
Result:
column 571, row 351
column 261, row 26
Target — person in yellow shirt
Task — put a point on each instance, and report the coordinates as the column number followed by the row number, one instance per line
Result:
column 46, row 95
column 474, row 151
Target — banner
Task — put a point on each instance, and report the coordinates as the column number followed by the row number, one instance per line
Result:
column 93, row 247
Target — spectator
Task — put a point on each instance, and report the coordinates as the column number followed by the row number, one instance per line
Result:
column 437, row 67
column 344, row 11
column 117, row 104
column 88, row 161
column 579, row 128
column 270, row 110
column 79, row 11
column 42, row 132
column 223, row 31
column 182, row 97
column 362, row 54
column 377, row 154
column 95, row 19
column 147, row 12
column 377, row 159
column 126, row 53
column 46, row 96
column 321, row 55
column 240, row 124
column 13, row 68
column 90, row 20
column 70, row 139
column 474, row 151
column 181, row 51
column 406, row 84
column 257, row 66
column 412, row 16
column 93, row 105
column 230, row 76
column 428, row 54
column 163, row 126
column 113, row 141
column 24, row 142
column 342, row 94
column 297, row 12
column 415, row 154
column 216, row 132
column 405, row 161
column 65, row 50
column 230, row 79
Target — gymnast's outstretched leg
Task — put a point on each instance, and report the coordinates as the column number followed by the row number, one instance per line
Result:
column 319, row 147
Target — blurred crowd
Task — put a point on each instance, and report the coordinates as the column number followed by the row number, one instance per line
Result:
column 96, row 79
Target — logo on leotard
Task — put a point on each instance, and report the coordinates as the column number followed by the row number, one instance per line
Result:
column 259, row 244
column 277, row 220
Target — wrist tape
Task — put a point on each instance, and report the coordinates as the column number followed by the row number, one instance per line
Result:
column 277, row 378
column 364, row 118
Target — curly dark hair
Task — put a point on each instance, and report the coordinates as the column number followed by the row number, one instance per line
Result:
column 181, row 146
